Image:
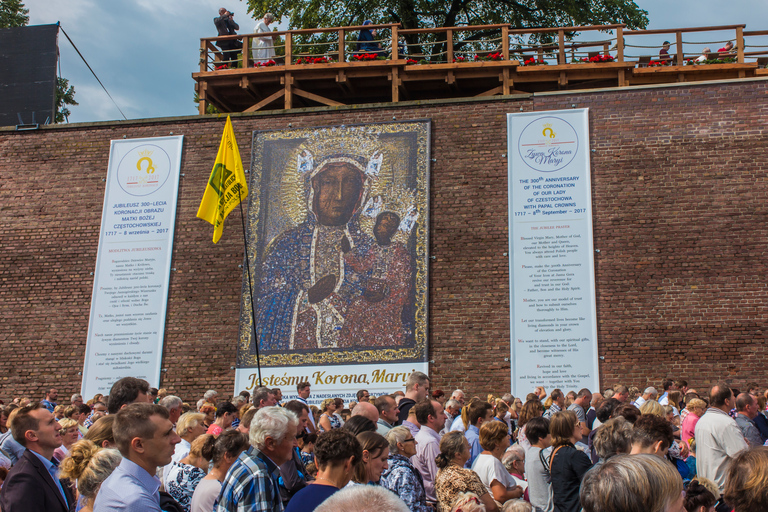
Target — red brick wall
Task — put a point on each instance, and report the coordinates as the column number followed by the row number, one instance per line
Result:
column 679, row 192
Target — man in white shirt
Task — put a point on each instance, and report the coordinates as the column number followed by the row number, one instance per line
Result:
column 718, row 437
column 650, row 393
column 303, row 390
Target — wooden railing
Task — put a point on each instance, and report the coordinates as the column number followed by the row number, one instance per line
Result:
column 559, row 45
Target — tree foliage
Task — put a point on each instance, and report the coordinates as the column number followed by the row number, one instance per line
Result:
column 13, row 14
column 65, row 95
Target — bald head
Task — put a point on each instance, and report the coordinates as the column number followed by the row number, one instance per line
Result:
column 366, row 410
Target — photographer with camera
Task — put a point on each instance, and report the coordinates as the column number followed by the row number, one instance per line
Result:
column 226, row 26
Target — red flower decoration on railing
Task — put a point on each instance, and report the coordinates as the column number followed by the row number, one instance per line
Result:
column 533, row 62
column 411, row 61
column 601, row 58
column 367, row 56
column 313, row 60
column 658, row 63
column 264, row 64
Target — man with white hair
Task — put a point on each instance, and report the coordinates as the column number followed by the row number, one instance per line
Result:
column 363, row 498
column 514, row 462
column 210, row 396
column 173, row 404
column 458, row 395
column 251, row 482
column 650, row 393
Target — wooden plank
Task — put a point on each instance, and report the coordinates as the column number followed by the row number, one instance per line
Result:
column 395, row 55
column 288, row 85
column 315, row 97
column 679, row 44
column 449, row 44
column 492, row 92
column 288, row 49
column 202, row 106
column 246, row 52
column 342, row 57
column 620, row 44
column 395, row 77
column 266, row 101
column 689, row 29
column 561, row 47
column 505, row 42
column 740, row 45
column 203, row 56
column 505, row 82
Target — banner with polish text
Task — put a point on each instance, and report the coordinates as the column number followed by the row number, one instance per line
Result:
column 130, row 287
column 553, row 324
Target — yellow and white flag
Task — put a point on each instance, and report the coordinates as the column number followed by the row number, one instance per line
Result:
column 226, row 186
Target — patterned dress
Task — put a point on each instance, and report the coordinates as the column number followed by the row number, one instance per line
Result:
column 404, row 480
column 180, row 482
column 453, row 480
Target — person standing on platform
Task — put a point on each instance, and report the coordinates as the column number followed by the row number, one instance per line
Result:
column 264, row 47
column 226, row 26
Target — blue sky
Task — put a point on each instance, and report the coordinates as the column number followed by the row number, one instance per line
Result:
column 144, row 51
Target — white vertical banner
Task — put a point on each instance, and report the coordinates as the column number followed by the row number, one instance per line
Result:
column 133, row 264
column 551, row 264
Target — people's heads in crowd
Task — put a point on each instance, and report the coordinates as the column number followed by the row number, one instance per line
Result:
column 540, row 392
column 359, row 424
column 76, row 399
column 226, row 413
column 363, row 396
column 608, row 393
column 52, row 395
column 632, row 483
column 301, row 410
column 746, row 404
column 612, row 438
column 514, row 506
column 144, row 435
column 570, row 397
column 439, row 395
column 363, row 498
column 458, row 395
column 328, row 405
column 698, row 498
column 514, row 459
column 228, row 446
column 604, row 411
column 69, row 432
column 375, row 451
column 531, row 409
column 746, row 481
column 650, row 393
column 211, row 396
column 201, row 451
column 627, row 411
column 89, row 465
column 653, row 407
column 682, row 386
column 100, row 432
column 127, row 391
column 173, row 404
column 597, row 399
column 246, row 419
column 537, row 432
column 303, row 389
column 430, row 413
column 494, row 435
column 338, row 449
column 34, row 428
column 501, row 408
column 555, row 397
column 278, row 394
column 565, row 429
column 273, row 432
column 667, row 384
column 753, row 388
column 697, row 406
column 621, row 393
column 401, row 442
column 417, row 386
column 190, row 425
column 652, row 434
column 263, row 397
column 209, row 413
column 387, row 409
column 721, row 397
column 479, row 413
column 367, row 410
column 454, row 448
column 584, row 398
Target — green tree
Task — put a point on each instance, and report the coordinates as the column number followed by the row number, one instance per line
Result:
column 13, row 14
column 65, row 95
column 448, row 13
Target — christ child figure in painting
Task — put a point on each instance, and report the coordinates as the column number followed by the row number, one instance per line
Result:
column 374, row 318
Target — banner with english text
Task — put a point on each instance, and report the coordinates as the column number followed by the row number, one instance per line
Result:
column 553, row 324
column 130, row 287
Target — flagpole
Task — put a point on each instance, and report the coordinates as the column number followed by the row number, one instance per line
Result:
column 250, row 287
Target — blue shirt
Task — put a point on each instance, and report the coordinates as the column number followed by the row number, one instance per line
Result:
column 473, row 436
column 10, row 447
column 130, row 489
column 310, row 497
column 53, row 471
column 250, row 485
column 48, row 405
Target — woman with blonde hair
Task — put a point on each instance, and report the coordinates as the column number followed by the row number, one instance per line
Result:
column 69, row 435
column 633, row 483
column 453, row 478
column 89, row 465
column 401, row 477
column 494, row 438
column 328, row 419
column 746, row 481
column 696, row 408
column 653, row 407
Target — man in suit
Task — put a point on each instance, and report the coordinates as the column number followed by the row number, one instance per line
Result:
column 32, row 484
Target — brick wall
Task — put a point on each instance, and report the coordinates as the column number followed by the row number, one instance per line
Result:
column 680, row 196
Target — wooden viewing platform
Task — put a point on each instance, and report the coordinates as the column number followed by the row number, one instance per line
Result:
column 465, row 61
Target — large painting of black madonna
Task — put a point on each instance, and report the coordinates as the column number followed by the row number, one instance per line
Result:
column 337, row 234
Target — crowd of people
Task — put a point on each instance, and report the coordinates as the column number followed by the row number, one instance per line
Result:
column 419, row 450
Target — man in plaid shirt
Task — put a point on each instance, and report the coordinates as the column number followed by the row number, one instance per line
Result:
column 251, row 483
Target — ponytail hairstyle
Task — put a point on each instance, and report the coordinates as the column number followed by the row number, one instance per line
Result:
column 201, row 445
column 451, row 445
column 89, row 465
column 229, row 442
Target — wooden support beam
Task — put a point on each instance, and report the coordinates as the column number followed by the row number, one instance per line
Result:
column 246, row 52
column 212, row 97
column 204, row 56
column 620, row 44
column 450, row 78
column 449, row 44
column 622, row 78
column 561, row 46
column 395, row 78
column 288, row 81
column 505, row 42
column 492, row 92
column 266, row 101
column 394, row 44
column 315, row 97
column 288, row 49
column 342, row 46
column 250, row 89
column 202, row 105
column 562, row 80
column 679, row 48
column 740, row 45
column 505, row 82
